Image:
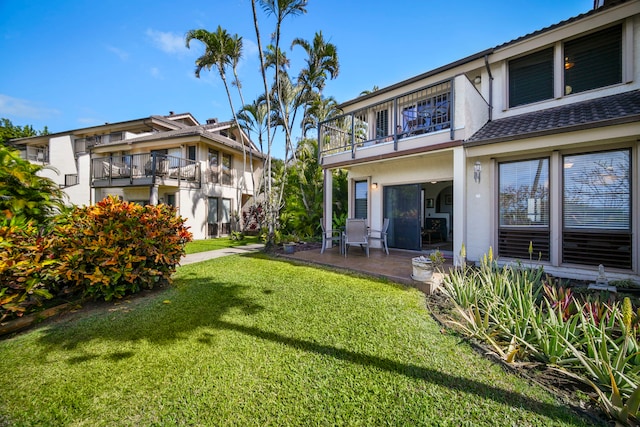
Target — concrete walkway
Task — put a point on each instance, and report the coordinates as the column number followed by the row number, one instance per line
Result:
column 203, row 256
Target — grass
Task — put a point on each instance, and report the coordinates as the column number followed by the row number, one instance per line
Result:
column 219, row 243
column 251, row 341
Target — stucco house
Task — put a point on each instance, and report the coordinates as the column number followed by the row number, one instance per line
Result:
column 532, row 143
column 201, row 169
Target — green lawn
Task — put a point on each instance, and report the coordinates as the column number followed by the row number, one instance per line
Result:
column 250, row 341
column 220, row 243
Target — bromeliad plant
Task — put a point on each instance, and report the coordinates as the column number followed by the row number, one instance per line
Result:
column 525, row 318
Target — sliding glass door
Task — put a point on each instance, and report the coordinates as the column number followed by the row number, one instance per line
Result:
column 402, row 207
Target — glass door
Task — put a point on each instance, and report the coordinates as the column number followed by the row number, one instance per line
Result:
column 402, row 207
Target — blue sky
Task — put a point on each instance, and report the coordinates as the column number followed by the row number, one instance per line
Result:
column 69, row 64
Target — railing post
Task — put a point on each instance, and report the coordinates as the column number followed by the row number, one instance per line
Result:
column 395, row 124
column 353, row 136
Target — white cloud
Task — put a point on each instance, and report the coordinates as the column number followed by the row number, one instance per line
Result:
column 167, row 42
column 23, row 108
column 123, row 55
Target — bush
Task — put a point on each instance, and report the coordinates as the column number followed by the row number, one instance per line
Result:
column 114, row 248
column 26, row 267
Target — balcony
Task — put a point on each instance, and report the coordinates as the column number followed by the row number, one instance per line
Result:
column 144, row 169
column 413, row 121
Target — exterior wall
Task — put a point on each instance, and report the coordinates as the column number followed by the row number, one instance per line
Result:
column 630, row 49
column 410, row 170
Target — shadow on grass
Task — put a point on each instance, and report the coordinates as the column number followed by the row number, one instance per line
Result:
column 163, row 318
column 505, row 397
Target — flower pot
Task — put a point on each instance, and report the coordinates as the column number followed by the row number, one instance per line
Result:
column 289, row 248
column 422, row 269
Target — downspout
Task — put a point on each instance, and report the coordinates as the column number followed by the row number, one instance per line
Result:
column 486, row 64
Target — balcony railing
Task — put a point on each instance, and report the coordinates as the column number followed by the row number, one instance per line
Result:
column 419, row 112
column 143, row 169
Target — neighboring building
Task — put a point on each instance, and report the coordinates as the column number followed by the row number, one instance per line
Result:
column 159, row 159
column 533, row 141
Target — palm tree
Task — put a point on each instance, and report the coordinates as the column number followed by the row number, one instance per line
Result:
column 320, row 109
column 281, row 9
column 367, row 91
column 221, row 50
column 322, row 60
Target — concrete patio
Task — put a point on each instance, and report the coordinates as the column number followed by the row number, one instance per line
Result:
column 395, row 267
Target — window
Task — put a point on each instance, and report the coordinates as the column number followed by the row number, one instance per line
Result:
column 524, row 209
column 531, row 78
column 191, row 152
column 226, row 216
column 597, row 191
column 115, row 136
column 597, row 209
column 226, row 169
column 593, row 61
column 214, row 161
column 382, row 123
column 361, row 199
column 212, row 217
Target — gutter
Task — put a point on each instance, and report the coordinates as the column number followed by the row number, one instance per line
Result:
column 486, row 64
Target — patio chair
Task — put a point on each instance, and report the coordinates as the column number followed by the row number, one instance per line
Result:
column 356, row 233
column 329, row 236
column 381, row 235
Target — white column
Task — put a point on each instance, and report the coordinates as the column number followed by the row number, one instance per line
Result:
column 328, row 199
column 459, row 201
column 153, row 195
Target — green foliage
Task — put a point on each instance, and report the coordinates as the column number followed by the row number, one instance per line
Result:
column 10, row 131
column 26, row 266
column 24, row 194
column 114, row 248
column 523, row 317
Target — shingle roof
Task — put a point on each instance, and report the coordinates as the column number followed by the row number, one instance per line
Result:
column 605, row 111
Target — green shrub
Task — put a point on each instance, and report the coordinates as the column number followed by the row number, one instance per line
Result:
column 114, row 248
column 26, row 263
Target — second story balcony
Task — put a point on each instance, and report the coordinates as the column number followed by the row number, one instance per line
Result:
column 429, row 116
column 144, row 169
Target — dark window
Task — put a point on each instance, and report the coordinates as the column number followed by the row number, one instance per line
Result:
column 531, row 78
column 226, row 169
column 361, row 199
column 191, row 152
column 212, row 217
column 524, row 209
column 597, row 209
column 382, row 123
column 214, row 161
column 593, row 61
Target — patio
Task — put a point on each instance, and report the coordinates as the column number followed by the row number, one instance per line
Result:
column 395, row 267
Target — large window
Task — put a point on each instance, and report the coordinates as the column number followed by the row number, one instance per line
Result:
column 361, row 199
column 597, row 209
column 226, row 169
column 524, row 209
column 531, row 78
column 214, row 161
column 593, row 61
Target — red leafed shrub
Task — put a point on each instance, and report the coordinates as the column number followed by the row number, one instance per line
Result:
column 114, row 248
column 27, row 268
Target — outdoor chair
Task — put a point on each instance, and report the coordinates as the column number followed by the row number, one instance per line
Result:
column 356, row 233
column 381, row 235
column 330, row 236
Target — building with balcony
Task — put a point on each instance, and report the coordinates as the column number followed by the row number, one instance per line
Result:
column 202, row 170
column 531, row 144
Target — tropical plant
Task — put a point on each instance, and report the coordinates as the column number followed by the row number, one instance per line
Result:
column 114, row 248
column 25, row 194
column 26, row 268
